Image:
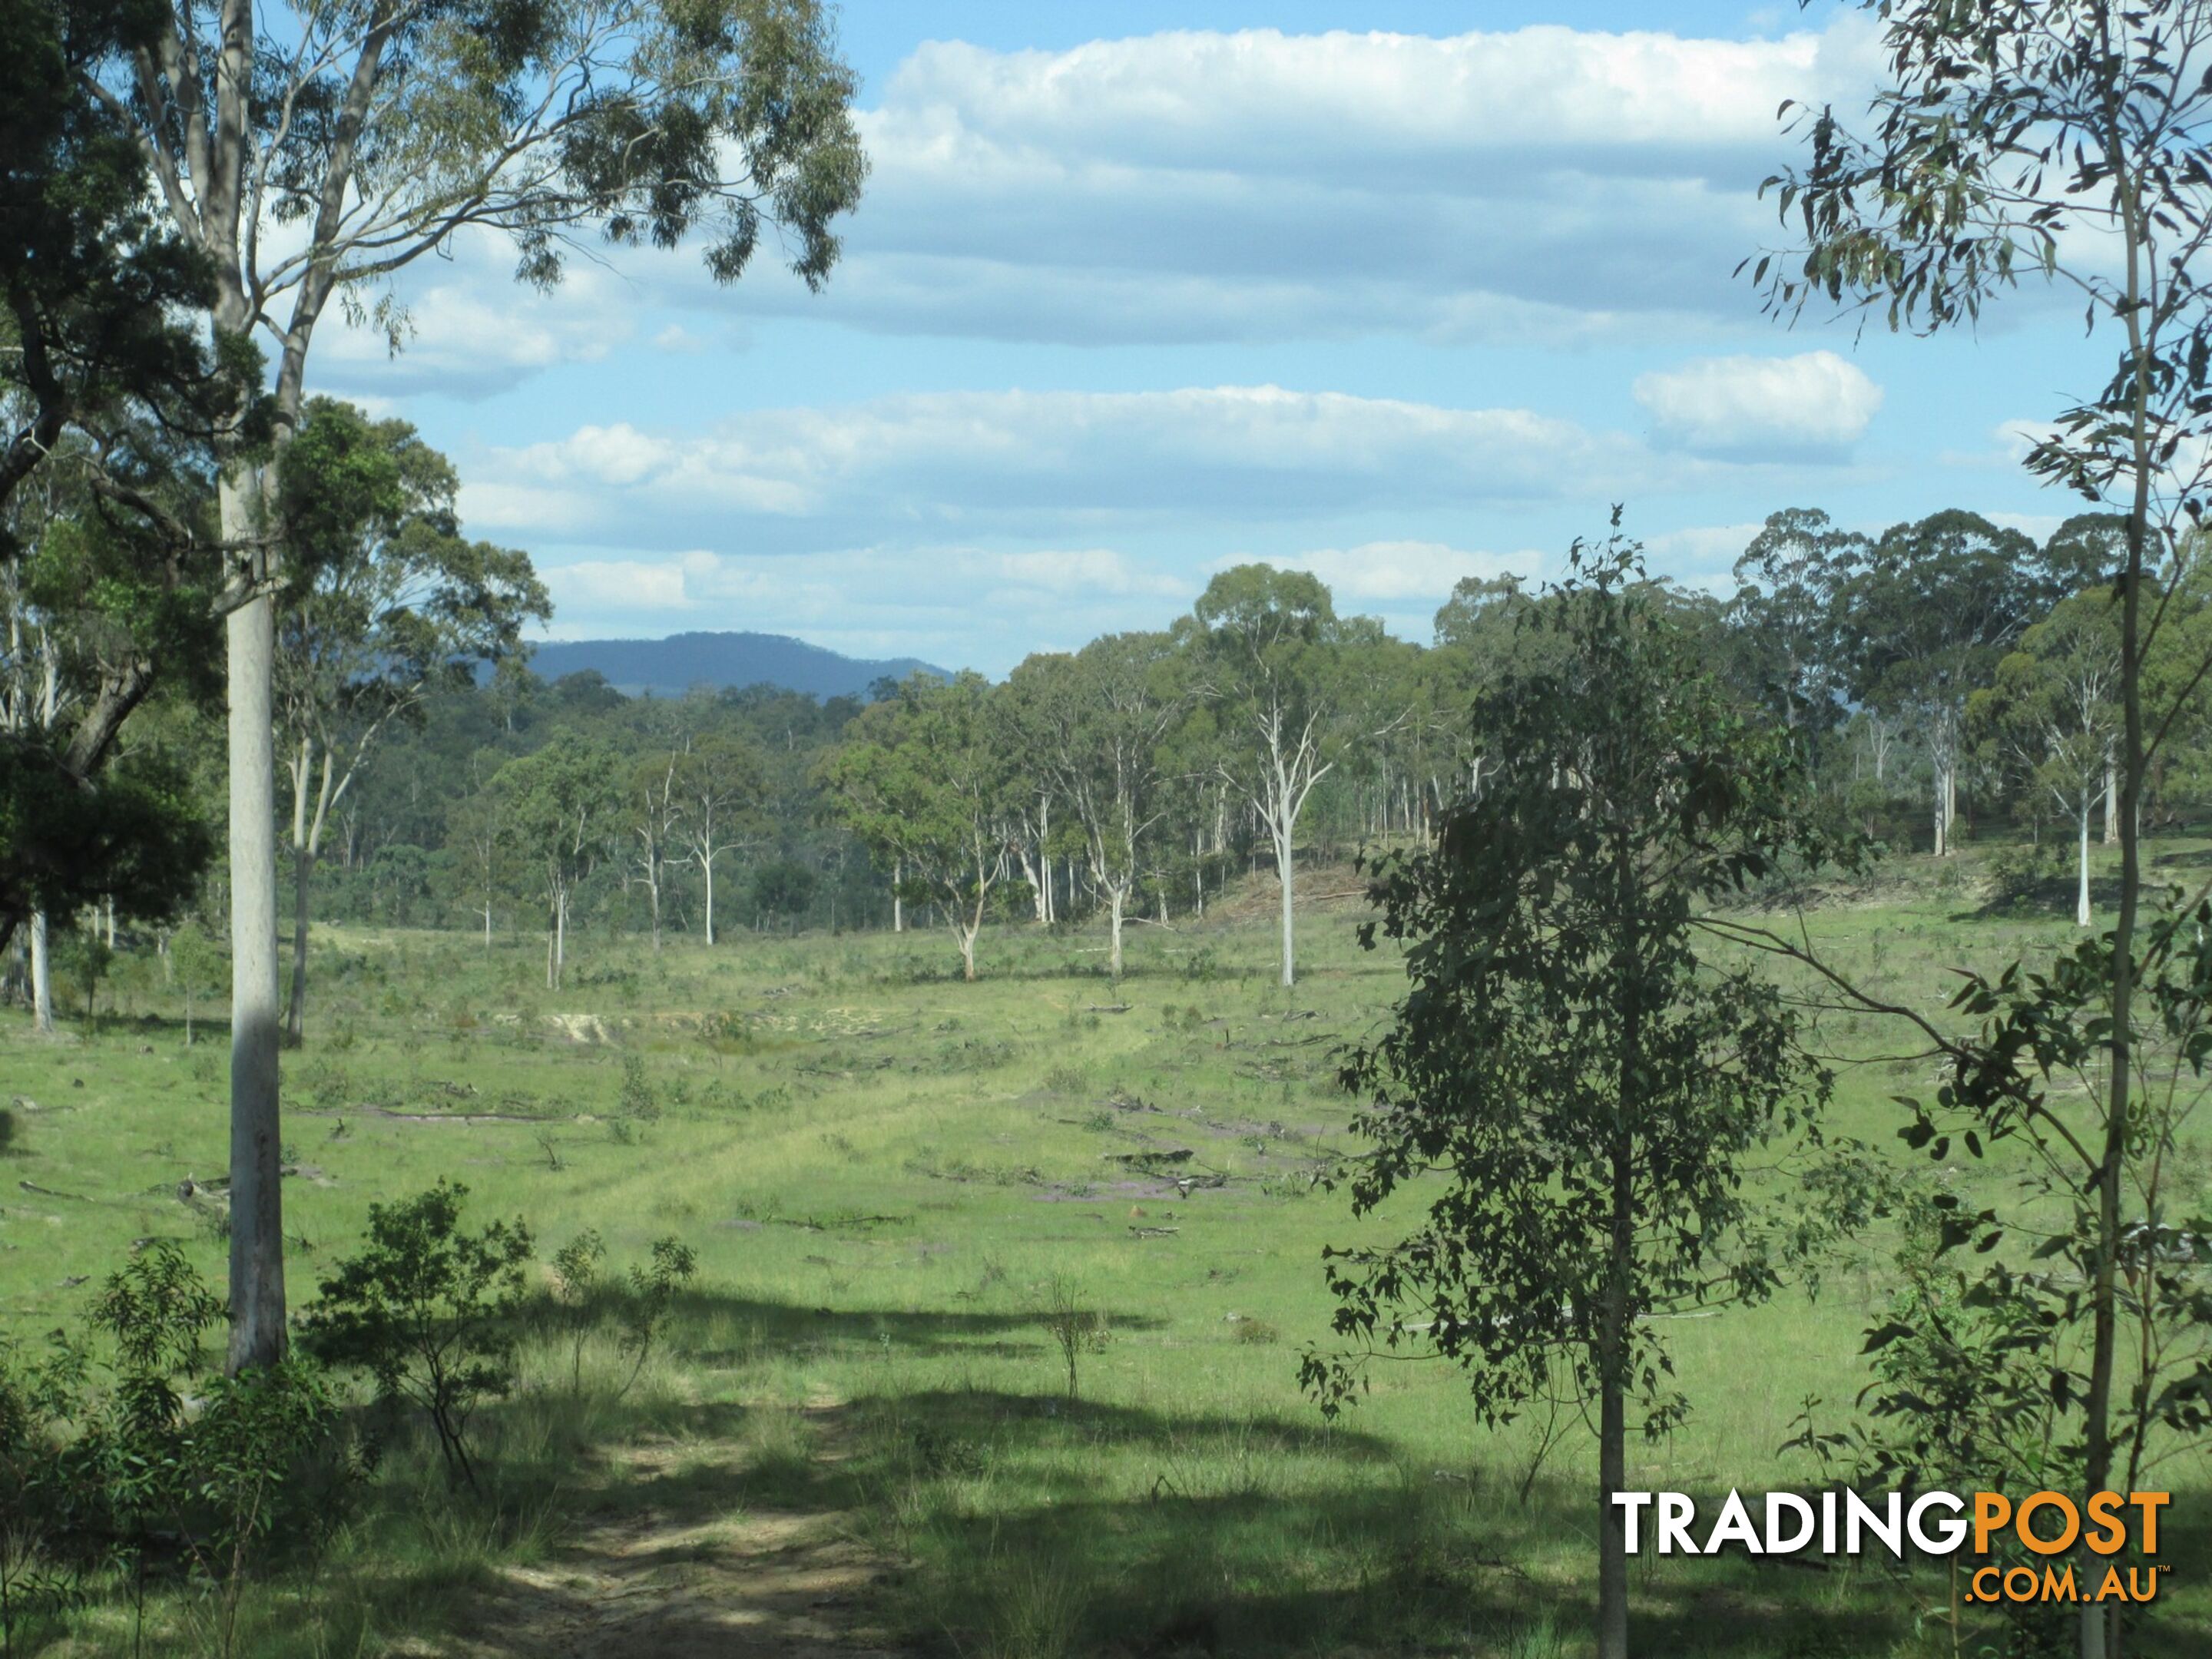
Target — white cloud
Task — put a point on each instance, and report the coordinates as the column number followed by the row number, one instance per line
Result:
column 1544, row 182
column 473, row 333
column 1814, row 404
column 1388, row 573
column 1040, row 464
column 875, row 601
column 1700, row 552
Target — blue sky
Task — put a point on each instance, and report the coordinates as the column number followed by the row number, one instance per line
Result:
column 1397, row 291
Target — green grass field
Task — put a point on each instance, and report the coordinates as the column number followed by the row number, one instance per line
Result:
column 861, row 1436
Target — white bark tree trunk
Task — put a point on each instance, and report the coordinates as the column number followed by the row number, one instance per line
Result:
column 707, row 864
column 1282, row 873
column 2112, row 804
column 42, row 975
column 257, row 1220
column 1115, row 896
column 2081, row 903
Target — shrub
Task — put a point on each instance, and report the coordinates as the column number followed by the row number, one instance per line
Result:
column 652, row 1289
column 428, row 1311
column 638, row 1099
column 575, row 1283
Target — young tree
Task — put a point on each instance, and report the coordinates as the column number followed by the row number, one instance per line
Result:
column 197, row 965
column 716, row 788
column 924, row 779
column 2053, row 708
column 1097, row 724
column 1586, row 1083
column 306, row 154
column 2063, row 138
column 561, row 807
column 1268, row 640
column 651, row 819
column 383, row 602
column 477, row 838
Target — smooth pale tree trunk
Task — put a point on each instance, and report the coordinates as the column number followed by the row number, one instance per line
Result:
column 707, row 864
column 42, row 976
column 967, row 950
column 1115, row 898
column 257, row 1218
column 1283, row 873
column 2081, row 903
column 296, row 1011
column 2112, row 804
column 557, row 944
column 898, row 905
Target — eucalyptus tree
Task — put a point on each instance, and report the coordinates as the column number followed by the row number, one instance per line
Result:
column 1933, row 607
column 106, row 389
column 1098, row 723
column 715, row 788
column 654, row 812
column 927, row 779
column 2053, row 707
column 1790, row 580
column 1569, row 1085
column 1479, row 635
column 306, row 155
column 95, row 610
column 2064, row 140
column 1268, row 641
column 383, row 603
column 560, row 809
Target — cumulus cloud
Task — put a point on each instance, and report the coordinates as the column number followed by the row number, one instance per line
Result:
column 1259, row 185
column 1812, row 405
column 1039, row 464
column 472, row 333
column 1388, row 574
column 1546, row 184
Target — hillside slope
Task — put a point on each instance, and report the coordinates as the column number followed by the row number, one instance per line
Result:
column 668, row 667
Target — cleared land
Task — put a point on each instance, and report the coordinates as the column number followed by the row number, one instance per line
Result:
column 861, row 1436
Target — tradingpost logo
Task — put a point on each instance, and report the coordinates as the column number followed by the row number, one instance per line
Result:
column 2047, row 1525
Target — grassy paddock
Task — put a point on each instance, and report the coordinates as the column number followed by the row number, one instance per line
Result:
column 897, row 1184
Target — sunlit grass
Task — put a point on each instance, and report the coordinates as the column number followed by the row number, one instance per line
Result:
column 887, row 1174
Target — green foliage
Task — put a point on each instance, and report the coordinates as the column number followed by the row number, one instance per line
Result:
column 652, row 1289
column 427, row 1310
column 640, row 1100
column 1584, row 1081
column 576, row 1283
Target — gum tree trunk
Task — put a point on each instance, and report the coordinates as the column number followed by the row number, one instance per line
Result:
column 42, row 976
column 2081, row 903
column 295, row 1010
column 256, row 1229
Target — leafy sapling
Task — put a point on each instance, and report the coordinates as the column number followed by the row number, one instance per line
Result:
column 576, row 1285
column 1575, row 1084
column 428, row 1311
column 651, row 1291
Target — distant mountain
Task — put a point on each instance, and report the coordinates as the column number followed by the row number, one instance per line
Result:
column 670, row 667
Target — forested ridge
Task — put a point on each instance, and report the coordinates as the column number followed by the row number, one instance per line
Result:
column 1945, row 680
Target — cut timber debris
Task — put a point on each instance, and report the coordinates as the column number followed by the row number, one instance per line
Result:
column 1154, row 1232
